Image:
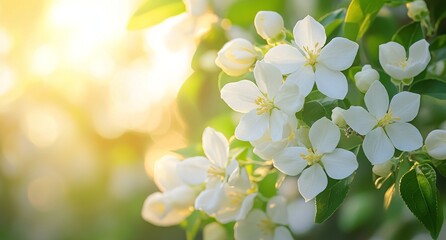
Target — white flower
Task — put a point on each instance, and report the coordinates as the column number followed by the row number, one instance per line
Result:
column 337, row 117
column 312, row 62
column 323, row 154
column 196, row 7
column 383, row 169
column 417, row 9
column 229, row 201
column 236, row 57
column 269, row 226
column 266, row 106
column 269, row 25
column 175, row 201
column 393, row 59
column 211, row 170
column 365, row 78
column 436, row 144
column 214, row 231
column 384, row 126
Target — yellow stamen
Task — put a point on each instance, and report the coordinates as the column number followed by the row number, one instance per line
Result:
column 387, row 119
column 263, row 105
column 312, row 157
column 403, row 63
column 266, row 226
column 312, row 55
column 216, row 172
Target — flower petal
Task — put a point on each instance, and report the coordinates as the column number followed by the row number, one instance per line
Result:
column 332, row 83
column 312, row 181
column 282, row 233
column 239, row 180
column 289, row 161
column 240, row 96
column 248, row 228
column 216, row 147
column 276, row 210
column 277, row 121
column 340, row 163
column 419, row 57
column 304, row 78
column 252, row 126
column 359, row 119
column 338, row 54
column 165, row 173
column 377, row 146
column 404, row 136
column 324, row 135
column 377, row 100
column 436, row 144
column 268, row 78
column 405, row 106
column 209, row 200
column 193, row 170
column 300, row 216
column 391, row 54
column 289, row 99
column 285, row 57
column 309, row 33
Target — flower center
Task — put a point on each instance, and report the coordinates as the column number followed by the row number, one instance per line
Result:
column 266, row 226
column 236, row 198
column 387, row 119
column 312, row 55
column 216, row 172
column 312, row 157
column 264, row 105
column 403, row 63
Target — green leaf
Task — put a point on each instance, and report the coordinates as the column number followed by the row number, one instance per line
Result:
column 333, row 20
column 153, row 12
column 408, row 34
column 328, row 201
column 224, row 78
column 313, row 111
column 419, row 191
column 440, row 165
column 242, row 12
column 433, row 88
column 192, row 224
column 360, row 14
column 397, row 2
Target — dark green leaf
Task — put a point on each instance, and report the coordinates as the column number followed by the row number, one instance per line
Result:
column 328, row 201
column 433, row 88
column 397, row 2
column 153, row 12
column 242, row 12
column 313, row 111
column 360, row 14
column 438, row 47
column 408, row 34
column 419, row 191
column 440, row 165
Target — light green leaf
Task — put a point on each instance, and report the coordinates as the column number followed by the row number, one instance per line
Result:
column 328, row 201
column 242, row 12
column 224, row 78
column 153, row 12
column 408, row 34
column 419, row 191
column 313, row 111
column 192, row 224
column 333, row 20
column 360, row 14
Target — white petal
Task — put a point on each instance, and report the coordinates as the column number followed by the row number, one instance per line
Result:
column 266, row 149
column 377, row 100
column 282, row 233
column 289, row 161
column 239, row 180
column 304, row 78
column 248, row 228
column 300, row 216
column 289, row 99
column 436, row 144
column 216, row 147
column 193, row 170
column 285, row 57
column 252, row 126
column 276, row 210
column 332, row 83
column 324, row 135
column 405, row 106
column 359, row 119
column 240, row 96
column 209, row 200
column 391, row 54
column 277, row 121
column 268, row 78
column 419, row 57
column 156, row 212
column 377, row 146
column 312, row 181
column 339, row 54
column 246, row 206
column 309, row 33
column 165, row 173
column 340, row 163
column 404, row 136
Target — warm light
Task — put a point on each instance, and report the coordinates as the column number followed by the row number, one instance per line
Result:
column 41, row 127
column 7, row 80
column 44, row 191
column 44, row 60
column 5, row 42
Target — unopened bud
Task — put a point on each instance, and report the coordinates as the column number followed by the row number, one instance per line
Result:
column 337, row 117
column 436, row 144
column 365, row 78
column 417, row 10
column 269, row 25
column 236, row 57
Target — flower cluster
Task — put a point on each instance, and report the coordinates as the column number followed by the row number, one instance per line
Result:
column 224, row 184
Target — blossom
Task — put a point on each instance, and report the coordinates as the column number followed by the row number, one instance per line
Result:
column 258, row 225
column 436, row 144
column 322, row 154
column 385, row 126
column 383, row 169
column 311, row 62
column 365, row 78
column 394, row 61
column 214, row 231
column 269, row 25
column 196, row 7
column 417, row 9
column 337, row 117
column 175, row 201
column 266, row 106
column 236, row 57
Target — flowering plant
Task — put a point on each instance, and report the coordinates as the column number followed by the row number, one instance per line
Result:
column 311, row 112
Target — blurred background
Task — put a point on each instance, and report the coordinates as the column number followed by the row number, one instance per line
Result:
column 87, row 106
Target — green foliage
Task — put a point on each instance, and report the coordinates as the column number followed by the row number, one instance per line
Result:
column 408, row 34
column 153, row 12
column 224, row 78
column 419, row 191
column 242, row 12
column 328, row 201
column 433, row 88
column 333, row 21
column 192, row 224
column 360, row 14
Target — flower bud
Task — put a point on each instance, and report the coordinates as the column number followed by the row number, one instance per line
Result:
column 417, row 10
column 365, row 78
column 337, row 117
column 214, row 231
column 383, row 169
column 196, row 7
column 436, row 144
column 236, row 57
column 269, row 25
